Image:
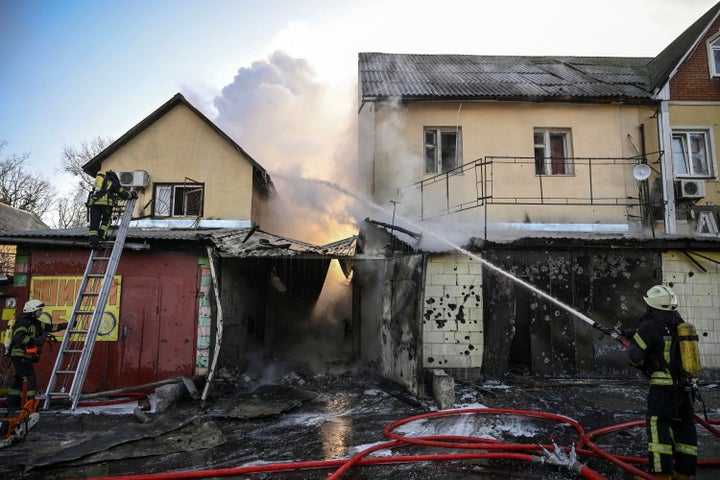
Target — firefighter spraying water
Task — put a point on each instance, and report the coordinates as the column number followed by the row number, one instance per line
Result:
column 665, row 349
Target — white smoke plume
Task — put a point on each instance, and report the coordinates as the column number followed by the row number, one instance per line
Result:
column 297, row 128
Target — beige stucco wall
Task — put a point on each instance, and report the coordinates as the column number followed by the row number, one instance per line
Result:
column 506, row 129
column 180, row 145
column 698, row 298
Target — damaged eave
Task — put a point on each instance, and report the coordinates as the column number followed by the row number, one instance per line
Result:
column 244, row 243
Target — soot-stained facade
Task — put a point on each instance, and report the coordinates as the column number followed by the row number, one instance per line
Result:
column 527, row 333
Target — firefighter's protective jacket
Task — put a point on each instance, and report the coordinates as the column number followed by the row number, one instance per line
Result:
column 651, row 345
column 26, row 331
column 106, row 190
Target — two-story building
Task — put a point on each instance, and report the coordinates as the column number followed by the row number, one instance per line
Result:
column 528, row 199
column 200, row 285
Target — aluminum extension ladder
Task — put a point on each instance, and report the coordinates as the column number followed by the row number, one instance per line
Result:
column 73, row 360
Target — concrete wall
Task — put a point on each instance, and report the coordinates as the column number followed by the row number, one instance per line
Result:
column 400, row 335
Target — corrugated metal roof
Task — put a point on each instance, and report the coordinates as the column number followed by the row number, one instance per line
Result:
column 235, row 242
column 12, row 218
column 476, row 76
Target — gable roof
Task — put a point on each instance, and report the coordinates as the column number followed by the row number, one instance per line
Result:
column 664, row 64
column 93, row 166
column 12, row 219
column 460, row 77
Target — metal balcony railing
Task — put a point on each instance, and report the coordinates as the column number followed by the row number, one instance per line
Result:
column 496, row 180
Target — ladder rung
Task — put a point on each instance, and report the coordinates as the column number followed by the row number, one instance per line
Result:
column 78, row 331
column 96, row 275
column 71, row 351
column 66, row 372
column 90, row 294
column 57, row 394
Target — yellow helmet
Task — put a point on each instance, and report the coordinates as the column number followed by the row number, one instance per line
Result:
column 32, row 305
column 661, row 297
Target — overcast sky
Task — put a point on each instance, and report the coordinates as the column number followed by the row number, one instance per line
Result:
column 75, row 70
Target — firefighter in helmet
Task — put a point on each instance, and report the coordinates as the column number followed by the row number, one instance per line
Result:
column 670, row 424
column 28, row 335
column 102, row 199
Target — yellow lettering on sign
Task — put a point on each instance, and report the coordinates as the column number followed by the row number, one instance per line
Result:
column 58, row 293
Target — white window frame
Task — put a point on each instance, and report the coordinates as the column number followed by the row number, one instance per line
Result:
column 546, row 167
column 689, row 169
column 713, row 52
column 167, row 204
column 433, row 147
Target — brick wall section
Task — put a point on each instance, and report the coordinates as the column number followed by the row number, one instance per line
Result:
column 698, row 298
column 692, row 81
column 452, row 313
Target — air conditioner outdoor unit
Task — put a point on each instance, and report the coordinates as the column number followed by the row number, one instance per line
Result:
column 691, row 189
column 135, row 178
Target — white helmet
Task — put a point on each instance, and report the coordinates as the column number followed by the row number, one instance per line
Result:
column 661, row 297
column 32, row 305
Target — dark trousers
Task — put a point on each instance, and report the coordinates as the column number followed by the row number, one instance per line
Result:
column 100, row 217
column 672, row 437
column 24, row 370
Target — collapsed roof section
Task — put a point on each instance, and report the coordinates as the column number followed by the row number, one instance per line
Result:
column 234, row 243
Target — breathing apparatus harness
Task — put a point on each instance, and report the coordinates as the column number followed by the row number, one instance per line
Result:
column 684, row 363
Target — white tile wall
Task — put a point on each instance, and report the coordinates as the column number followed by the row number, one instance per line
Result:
column 449, row 339
column 698, row 298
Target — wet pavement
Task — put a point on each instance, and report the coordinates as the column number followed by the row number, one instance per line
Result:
column 320, row 417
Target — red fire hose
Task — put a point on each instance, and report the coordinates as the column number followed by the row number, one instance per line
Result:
column 481, row 449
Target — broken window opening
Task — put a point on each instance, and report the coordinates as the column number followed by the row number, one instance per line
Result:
column 443, row 149
column 692, row 153
column 178, row 200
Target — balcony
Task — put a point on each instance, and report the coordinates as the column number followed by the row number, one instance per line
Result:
column 516, row 189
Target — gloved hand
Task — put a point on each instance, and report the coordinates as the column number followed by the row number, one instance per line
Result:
column 133, row 194
column 38, row 341
column 62, row 326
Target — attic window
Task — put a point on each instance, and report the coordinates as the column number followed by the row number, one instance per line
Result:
column 713, row 48
column 178, row 200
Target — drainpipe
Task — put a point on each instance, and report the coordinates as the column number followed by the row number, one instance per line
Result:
column 665, row 138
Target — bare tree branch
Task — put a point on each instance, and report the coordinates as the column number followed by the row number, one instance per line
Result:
column 21, row 189
column 71, row 208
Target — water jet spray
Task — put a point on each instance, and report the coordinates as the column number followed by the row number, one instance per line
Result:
column 606, row 330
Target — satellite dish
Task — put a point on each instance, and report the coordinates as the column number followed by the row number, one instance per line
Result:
column 641, row 172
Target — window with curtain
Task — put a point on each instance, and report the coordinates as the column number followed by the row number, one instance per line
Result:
column 552, row 152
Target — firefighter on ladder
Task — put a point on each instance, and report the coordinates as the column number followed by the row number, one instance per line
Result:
column 670, row 424
column 28, row 335
column 101, row 200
